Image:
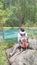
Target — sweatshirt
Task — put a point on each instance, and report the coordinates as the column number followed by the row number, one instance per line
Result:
column 21, row 33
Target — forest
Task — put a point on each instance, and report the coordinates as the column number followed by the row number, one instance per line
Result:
column 13, row 13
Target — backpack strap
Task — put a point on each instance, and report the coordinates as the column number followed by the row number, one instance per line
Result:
column 22, row 34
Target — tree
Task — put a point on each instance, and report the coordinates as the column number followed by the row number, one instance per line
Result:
column 4, row 15
column 23, row 10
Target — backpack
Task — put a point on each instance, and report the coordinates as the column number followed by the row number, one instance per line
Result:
column 24, row 44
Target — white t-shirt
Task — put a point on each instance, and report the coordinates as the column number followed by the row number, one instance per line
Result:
column 20, row 35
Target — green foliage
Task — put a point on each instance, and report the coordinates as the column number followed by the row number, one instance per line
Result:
column 9, row 45
column 3, row 57
column 16, row 12
column 1, row 5
column 33, row 36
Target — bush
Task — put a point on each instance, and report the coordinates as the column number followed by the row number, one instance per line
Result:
column 9, row 45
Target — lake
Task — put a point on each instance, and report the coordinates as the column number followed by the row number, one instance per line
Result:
column 11, row 34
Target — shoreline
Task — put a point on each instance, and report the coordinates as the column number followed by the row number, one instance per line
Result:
column 7, row 28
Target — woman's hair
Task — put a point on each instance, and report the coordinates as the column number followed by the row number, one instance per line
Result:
column 22, row 28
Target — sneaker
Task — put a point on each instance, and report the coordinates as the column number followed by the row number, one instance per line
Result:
column 10, row 54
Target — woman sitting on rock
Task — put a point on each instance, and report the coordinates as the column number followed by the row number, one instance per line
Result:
column 22, row 40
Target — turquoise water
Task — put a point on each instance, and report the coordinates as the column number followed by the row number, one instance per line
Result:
column 11, row 34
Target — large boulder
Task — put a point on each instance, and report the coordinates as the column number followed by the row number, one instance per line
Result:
column 27, row 57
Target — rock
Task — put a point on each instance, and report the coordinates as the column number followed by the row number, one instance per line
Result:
column 8, row 51
column 33, row 44
column 28, row 57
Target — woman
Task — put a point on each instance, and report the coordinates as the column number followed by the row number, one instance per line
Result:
column 22, row 36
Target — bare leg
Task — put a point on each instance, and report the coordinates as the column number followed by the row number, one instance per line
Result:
column 14, row 50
